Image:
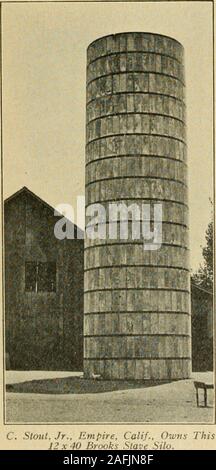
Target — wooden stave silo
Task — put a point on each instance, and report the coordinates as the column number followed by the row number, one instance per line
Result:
column 137, row 303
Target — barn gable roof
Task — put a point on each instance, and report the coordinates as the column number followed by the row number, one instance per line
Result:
column 30, row 193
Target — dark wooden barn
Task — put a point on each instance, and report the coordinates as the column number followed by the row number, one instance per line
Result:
column 43, row 288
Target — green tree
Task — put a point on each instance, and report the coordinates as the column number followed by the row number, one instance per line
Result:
column 203, row 278
column 202, row 307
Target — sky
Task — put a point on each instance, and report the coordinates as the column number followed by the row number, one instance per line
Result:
column 44, row 94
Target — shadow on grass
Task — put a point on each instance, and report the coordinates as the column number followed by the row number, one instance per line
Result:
column 77, row 385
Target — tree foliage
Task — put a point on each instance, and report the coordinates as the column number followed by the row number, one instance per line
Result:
column 204, row 276
column 202, row 307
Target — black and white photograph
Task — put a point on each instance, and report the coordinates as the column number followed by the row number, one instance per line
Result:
column 108, row 205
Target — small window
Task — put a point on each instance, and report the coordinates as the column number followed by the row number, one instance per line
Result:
column 47, row 277
column 30, row 277
column 40, row 277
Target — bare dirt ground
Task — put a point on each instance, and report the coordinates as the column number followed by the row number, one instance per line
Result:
column 68, row 400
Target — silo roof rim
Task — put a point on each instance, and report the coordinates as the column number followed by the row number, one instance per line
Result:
column 135, row 32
